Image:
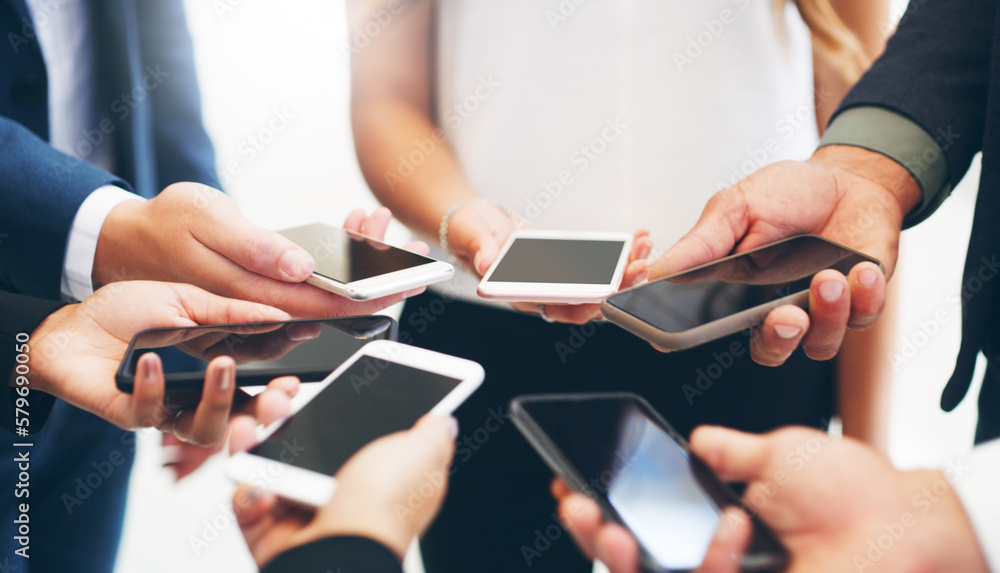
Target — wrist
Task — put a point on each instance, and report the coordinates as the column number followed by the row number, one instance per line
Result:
column 893, row 179
column 118, row 233
column 45, row 345
column 388, row 532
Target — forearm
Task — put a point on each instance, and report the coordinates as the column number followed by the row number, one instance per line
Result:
column 407, row 163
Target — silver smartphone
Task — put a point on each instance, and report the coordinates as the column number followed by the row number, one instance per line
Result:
column 723, row 297
column 361, row 268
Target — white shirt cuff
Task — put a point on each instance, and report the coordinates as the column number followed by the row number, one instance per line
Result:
column 976, row 479
column 81, row 246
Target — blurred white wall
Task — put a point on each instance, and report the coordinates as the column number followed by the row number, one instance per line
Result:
column 264, row 60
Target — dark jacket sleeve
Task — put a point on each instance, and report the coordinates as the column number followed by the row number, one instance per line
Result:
column 41, row 190
column 936, row 71
column 21, row 315
column 344, row 554
column 184, row 151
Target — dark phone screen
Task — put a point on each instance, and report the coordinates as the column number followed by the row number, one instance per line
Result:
column 559, row 261
column 371, row 399
column 346, row 257
column 701, row 296
column 310, row 349
column 670, row 501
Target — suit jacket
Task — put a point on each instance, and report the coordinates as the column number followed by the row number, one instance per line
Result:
column 942, row 70
column 346, row 554
column 146, row 76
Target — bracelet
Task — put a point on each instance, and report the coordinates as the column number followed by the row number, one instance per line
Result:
column 446, row 220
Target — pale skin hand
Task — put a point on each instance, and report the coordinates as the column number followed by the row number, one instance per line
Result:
column 849, row 195
column 835, row 497
column 76, row 352
column 374, row 495
column 194, row 234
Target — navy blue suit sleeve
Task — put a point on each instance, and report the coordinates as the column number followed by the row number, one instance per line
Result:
column 21, row 315
column 936, row 71
column 184, row 151
column 41, row 190
column 348, row 554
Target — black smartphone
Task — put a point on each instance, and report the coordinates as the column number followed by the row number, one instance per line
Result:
column 309, row 349
column 621, row 453
column 723, row 297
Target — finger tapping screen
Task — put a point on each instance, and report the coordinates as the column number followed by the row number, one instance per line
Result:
column 347, row 257
column 559, row 261
column 371, row 399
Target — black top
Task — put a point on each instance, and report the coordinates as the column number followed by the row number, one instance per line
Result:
column 342, row 554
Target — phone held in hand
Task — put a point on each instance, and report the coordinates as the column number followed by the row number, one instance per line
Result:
column 361, row 268
column 617, row 450
column 557, row 267
column 723, row 297
column 384, row 388
column 309, row 349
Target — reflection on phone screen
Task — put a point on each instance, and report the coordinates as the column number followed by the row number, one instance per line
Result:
column 559, row 261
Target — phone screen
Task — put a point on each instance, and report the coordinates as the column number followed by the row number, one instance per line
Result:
column 559, row 261
column 691, row 299
column 372, row 398
column 618, row 451
column 310, row 349
column 346, row 257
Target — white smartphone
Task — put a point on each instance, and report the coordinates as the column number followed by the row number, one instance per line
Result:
column 384, row 388
column 557, row 267
column 361, row 268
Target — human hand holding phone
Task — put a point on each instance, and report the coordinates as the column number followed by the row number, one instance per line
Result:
column 372, row 498
column 850, row 195
column 834, row 497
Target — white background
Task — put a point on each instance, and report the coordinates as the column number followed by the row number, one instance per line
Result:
column 258, row 59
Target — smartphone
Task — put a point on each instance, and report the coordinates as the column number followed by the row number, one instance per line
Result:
column 617, row 450
column 361, row 268
column 557, row 267
column 723, row 297
column 384, row 388
column 309, row 349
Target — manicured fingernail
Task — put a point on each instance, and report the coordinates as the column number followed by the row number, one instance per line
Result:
column 150, row 365
column 294, row 263
column 830, row 291
column 868, row 277
column 226, row 378
column 787, row 331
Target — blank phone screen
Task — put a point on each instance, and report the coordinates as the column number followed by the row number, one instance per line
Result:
column 559, row 261
column 347, row 257
column 698, row 297
column 622, row 454
column 371, row 399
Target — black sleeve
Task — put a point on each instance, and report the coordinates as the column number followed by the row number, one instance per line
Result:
column 343, row 554
column 936, row 71
column 21, row 315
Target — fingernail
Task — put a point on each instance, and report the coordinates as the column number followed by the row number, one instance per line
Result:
column 787, row 331
column 830, row 291
column 226, row 378
column 476, row 261
column 150, row 365
column 294, row 263
column 868, row 277
column 453, row 426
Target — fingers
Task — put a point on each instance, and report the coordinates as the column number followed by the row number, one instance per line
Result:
column 486, row 248
column 829, row 311
column 730, row 542
column 635, row 273
column 208, row 424
column 242, row 434
column 252, row 505
column 206, row 308
column 642, row 245
column 148, row 391
column 868, row 291
column 735, row 456
column 775, row 340
column 436, row 434
column 255, row 249
column 617, row 549
column 355, row 220
column 376, row 224
column 722, row 224
column 419, row 247
column 582, row 518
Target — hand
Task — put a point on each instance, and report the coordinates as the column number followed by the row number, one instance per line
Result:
column 194, row 234
column 478, row 230
column 830, row 502
column 389, row 491
column 847, row 194
column 76, row 352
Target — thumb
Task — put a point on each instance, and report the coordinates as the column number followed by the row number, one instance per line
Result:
column 435, row 434
column 735, row 456
column 730, row 542
column 205, row 308
column 486, row 252
column 722, row 225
